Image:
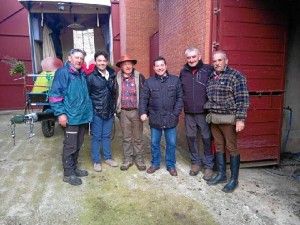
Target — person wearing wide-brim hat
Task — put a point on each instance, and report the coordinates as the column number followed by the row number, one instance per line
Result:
column 125, row 58
column 128, row 87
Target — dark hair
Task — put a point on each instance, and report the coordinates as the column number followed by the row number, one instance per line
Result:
column 101, row 52
column 74, row 50
column 159, row 58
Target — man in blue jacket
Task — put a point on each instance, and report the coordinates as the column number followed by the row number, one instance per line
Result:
column 161, row 99
column 69, row 98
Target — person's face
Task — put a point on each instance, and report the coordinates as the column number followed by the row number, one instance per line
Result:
column 76, row 60
column 127, row 67
column 160, row 67
column 219, row 62
column 101, row 63
column 193, row 58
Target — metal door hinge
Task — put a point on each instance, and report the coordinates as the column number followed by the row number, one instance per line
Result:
column 215, row 44
column 217, row 10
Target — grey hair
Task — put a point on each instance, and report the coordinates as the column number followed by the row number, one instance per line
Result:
column 192, row 49
column 74, row 50
column 220, row 52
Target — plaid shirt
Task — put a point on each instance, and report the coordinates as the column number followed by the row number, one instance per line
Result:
column 228, row 94
column 128, row 95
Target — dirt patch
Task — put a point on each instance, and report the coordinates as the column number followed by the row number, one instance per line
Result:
column 32, row 190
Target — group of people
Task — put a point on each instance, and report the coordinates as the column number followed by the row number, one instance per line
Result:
column 214, row 99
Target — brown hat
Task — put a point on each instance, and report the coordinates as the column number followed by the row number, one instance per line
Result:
column 125, row 58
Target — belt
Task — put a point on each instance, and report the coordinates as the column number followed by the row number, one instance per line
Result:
column 129, row 109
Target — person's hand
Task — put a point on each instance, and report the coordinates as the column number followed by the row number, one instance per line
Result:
column 62, row 120
column 144, row 117
column 239, row 126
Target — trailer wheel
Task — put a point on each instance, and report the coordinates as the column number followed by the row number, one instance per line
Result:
column 48, row 128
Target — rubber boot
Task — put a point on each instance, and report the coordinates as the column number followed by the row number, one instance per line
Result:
column 221, row 165
column 234, row 167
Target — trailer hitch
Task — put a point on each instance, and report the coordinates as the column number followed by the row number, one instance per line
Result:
column 29, row 119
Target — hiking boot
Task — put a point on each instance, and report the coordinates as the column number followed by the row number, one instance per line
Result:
column 194, row 170
column 111, row 162
column 97, row 167
column 173, row 172
column 81, row 173
column 208, row 174
column 140, row 165
column 152, row 169
column 73, row 180
column 126, row 165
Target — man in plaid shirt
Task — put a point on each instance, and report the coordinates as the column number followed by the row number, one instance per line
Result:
column 227, row 94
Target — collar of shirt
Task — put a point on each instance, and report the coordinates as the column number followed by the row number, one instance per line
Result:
column 127, row 78
column 106, row 74
column 216, row 75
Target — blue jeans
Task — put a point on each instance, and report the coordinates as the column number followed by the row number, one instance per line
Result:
column 170, row 136
column 101, row 130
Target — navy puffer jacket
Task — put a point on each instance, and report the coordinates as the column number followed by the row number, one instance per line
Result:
column 194, row 82
column 102, row 92
column 161, row 99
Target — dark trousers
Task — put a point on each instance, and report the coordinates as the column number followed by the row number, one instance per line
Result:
column 195, row 123
column 74, row 136
column 225, row 137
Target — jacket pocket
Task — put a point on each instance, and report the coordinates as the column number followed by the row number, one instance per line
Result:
column 171, row 90
column 154, row 93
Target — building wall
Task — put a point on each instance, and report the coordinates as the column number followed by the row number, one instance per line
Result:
column 177, row 30
column 291, row 142
column 138, row 22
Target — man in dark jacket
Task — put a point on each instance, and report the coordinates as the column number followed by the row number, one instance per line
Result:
column 194, row 76
column 102, row 92
column 69, row 98
column 161, row 99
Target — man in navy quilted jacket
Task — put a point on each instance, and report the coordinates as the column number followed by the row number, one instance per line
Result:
column 161, row 100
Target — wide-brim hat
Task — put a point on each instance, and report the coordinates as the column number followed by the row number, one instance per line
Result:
column 125, row 58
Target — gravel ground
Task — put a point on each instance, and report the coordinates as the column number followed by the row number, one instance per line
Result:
column 32, row 190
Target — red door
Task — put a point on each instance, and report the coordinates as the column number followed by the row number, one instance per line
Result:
column 14, row 39
column 116, row 31
column 253, row 34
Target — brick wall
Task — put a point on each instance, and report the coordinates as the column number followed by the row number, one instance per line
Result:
column 138, row 22
column 183, row 24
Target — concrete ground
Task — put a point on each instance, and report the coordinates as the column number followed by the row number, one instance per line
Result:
column 32, row 190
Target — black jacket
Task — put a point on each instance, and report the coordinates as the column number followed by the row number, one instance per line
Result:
column 102, row 93
column 161, row 99
column 194, row 87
